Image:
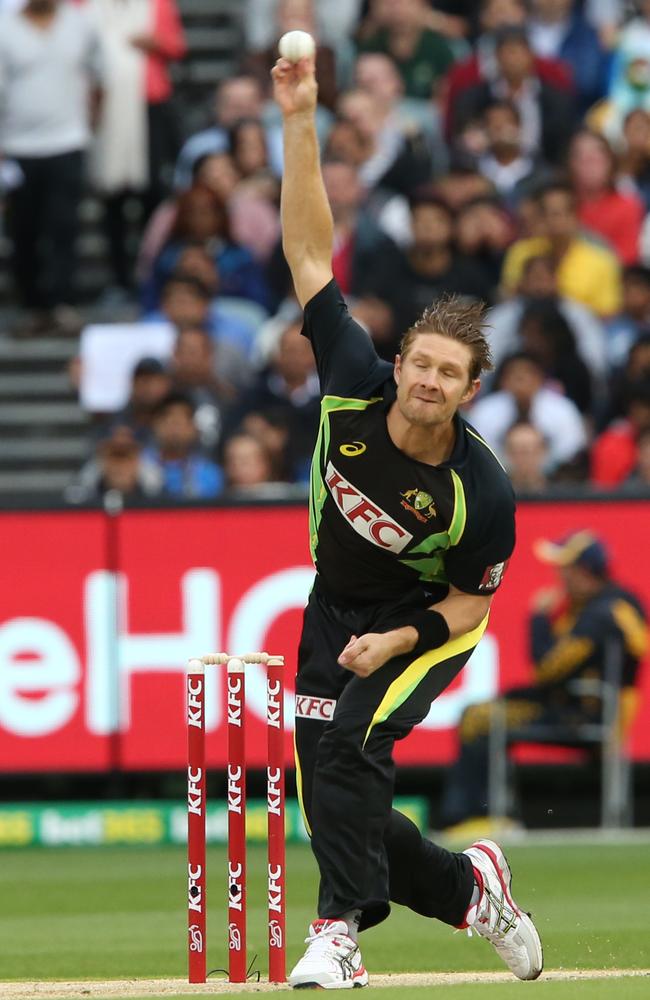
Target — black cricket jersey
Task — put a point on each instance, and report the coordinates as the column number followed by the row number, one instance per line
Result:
column 383, row 524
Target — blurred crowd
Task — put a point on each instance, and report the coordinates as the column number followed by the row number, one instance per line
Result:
column 497, row 149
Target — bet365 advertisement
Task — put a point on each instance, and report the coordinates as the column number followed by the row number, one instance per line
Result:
column 99, row 615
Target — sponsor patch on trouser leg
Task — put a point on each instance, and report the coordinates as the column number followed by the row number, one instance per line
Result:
column 308, row 707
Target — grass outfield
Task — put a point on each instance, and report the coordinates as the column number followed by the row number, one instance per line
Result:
column 105, row 914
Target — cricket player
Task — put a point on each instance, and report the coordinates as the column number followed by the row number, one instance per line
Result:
column 411, row 526
column 573, row 630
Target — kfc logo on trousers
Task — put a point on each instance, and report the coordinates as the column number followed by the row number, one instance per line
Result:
column 314, row 708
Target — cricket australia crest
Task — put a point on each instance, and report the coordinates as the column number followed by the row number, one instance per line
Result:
column 419, row 503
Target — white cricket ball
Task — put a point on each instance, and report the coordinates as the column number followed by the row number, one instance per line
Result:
column 295, row 45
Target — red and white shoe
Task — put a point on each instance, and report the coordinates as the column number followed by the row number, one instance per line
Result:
column 497, row 917
column 332, row 960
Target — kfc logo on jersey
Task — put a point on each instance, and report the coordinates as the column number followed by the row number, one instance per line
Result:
column 493, row 576
column 368, row 520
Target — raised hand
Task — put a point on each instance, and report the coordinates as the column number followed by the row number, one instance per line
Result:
column 294, row 85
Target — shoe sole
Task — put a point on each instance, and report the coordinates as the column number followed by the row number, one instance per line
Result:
column 348, row 984
column 502, row 868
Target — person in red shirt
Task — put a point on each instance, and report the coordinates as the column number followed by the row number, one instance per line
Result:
column 615, row 216
column 481, row 66
column 614, row 454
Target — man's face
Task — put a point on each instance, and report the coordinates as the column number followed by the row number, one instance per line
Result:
column 377, row 74
column 523, row 379
column 184, row 307
column 432, row 226
column 552, row 10
column 502, row 14
column 245, row 462
column 401, row 12
column 515, row 60
column 636, row 297
column 193, row 357
column 149, row 389
column 175, row 429
column 538, row 280
column 525, row 451
column 580, row 583
column 559, row 215
column 236, row 99
column 502, row 129
column 295, row 357
column 41, row 6
column 433, row 379
column 343, row 188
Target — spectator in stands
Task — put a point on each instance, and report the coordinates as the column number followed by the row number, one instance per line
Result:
column 586, row 272
column 545, row 334
column 421, row 54
column 614, row 453
column 505, row 163
column 296, row 15
column 635, row 369
column 272, row 428
column 150, row 382
column 614, row 215
column 629, row 83
column 186, row 472
column 521, row 393
column 634, row 318
column 136, row 142
column 119, row 466
column 359, row 243
column 187, row 302
column 336, row 21
column 483, row 233
column 394, row 159
column 462, row 185
column 410, row 282
column 377, row 74
column 195, row 371
column 481, row 66
column 570, row 628
column 250, row 158
column 289, row 383
column 546, row 112
column 202, row 220
column 247, row 465
column 525, row 453
column 237, row 97
column 634, row 157
column 558, row 29
column 539, row 282
column 50, row 68
column 639, row 478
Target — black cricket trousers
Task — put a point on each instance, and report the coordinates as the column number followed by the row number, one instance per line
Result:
column 369, row 853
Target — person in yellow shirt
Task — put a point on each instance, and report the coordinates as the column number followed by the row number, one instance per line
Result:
column 586, row 270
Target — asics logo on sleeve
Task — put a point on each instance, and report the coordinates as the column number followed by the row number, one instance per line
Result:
column 367, row 519
column 353, row 449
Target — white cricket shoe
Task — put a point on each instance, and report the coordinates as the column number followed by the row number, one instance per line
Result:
column 497, row 917
column 332, row 960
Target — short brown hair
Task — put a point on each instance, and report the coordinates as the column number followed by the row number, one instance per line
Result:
column 454, row 317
